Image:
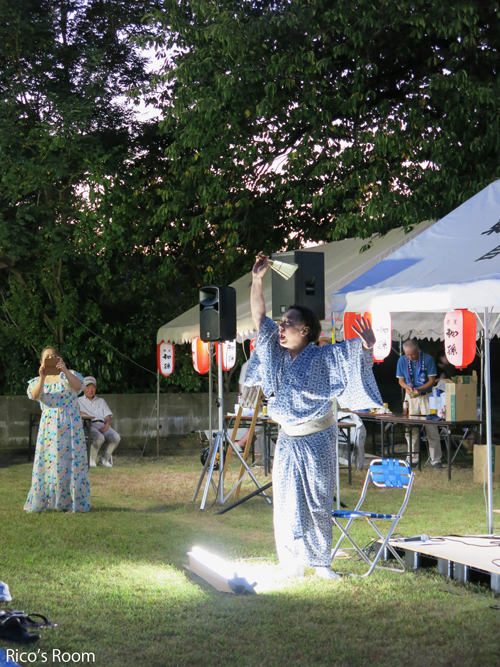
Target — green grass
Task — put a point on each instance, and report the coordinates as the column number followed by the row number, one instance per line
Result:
column 114, row 579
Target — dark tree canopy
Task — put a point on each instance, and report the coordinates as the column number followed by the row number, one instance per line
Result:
column 77, row 189
column 320, row 119
column 283, row 122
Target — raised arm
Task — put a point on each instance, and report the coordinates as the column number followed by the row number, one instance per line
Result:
column 37, row 390
column 257, row 303
column 73, row 381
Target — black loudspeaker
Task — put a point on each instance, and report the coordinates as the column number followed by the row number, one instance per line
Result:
column 217, row 313
column 305, row 288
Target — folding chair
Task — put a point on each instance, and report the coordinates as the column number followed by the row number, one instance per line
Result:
column 456, row 440
column 385, row 474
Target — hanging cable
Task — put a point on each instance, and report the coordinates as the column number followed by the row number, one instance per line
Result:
column 147, row 431
column 113, row 347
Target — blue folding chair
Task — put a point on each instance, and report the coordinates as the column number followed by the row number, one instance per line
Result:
column 385, row 474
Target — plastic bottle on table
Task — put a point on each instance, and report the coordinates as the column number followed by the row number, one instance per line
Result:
column 433, row 402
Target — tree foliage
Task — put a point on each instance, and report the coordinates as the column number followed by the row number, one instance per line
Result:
column 77, row 189
column 321, row 119
column 283, row 121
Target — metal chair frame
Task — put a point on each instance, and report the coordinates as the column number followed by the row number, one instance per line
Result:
column 386, row 474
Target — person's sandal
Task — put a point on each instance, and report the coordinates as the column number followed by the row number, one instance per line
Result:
column 28, row 622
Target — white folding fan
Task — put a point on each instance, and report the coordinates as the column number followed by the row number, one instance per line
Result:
column 283, row 269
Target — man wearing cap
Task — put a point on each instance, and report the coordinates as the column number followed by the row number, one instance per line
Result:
column 100, row 430
column 416, row 373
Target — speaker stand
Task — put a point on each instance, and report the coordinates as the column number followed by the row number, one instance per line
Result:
column 219, row 445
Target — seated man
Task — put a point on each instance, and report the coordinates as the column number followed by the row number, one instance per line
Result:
column 100, row 430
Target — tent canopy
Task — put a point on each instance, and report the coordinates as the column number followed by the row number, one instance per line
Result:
column 344, row 262
column 455, row 263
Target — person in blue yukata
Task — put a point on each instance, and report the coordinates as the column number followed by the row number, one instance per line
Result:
column 416, row 372
column 304, row 378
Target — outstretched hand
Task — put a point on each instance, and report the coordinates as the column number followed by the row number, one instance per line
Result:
column 261, row 265
column 364, row 330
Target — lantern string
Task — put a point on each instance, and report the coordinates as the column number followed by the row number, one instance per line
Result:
column 114, row 348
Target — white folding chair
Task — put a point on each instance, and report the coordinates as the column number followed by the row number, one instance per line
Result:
column 387, row 474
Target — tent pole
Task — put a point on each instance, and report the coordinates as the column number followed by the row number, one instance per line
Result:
column 221, row 427
column 337, row 465
column 157, row 414
column 210, row 355
column 481, row 391
column 487, row 392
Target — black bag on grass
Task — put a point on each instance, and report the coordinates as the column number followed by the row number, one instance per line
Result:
column 14, row 625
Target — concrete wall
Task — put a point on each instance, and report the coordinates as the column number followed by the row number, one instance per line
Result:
column 134, row 416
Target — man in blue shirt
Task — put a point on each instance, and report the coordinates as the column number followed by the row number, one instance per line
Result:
column 416, row 373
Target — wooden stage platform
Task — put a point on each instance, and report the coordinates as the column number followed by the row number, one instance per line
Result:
column 467, row 558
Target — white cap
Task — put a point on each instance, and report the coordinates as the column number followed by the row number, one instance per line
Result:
column 89, row 380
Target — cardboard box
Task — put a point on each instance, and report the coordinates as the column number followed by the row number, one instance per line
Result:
column 461, row 398
column 465, row 379
column 480, row 460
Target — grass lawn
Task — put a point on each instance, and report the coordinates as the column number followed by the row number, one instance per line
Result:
column 114, row 579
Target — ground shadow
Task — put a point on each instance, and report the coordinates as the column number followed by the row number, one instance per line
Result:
column 159, row 509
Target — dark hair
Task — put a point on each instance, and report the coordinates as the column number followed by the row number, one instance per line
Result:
column 309, row 319
column 50, row 347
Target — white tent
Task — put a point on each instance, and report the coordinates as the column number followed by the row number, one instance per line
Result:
column 453, row 264
column 344, row 261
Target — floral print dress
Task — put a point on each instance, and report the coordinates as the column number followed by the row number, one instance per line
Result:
column 60, row 474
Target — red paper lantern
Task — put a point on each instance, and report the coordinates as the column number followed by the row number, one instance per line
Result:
column 460, row 337
column 253, row 343
column 349, row 320
column 228, row 354
column 165, row 357
column 381, row 324
column 201, row 355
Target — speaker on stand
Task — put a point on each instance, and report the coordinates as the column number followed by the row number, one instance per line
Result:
column 305, row 288
column 218, row 324
column 217, row 313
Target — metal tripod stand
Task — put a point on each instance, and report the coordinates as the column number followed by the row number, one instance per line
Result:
column 218, row 446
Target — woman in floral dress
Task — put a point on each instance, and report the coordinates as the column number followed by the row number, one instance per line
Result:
column 60, row 474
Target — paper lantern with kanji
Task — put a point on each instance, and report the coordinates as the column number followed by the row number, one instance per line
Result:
column 165, row 357
column 381, row 324
column 201, row 355
column 349, row 320
column 460, row 337
column 228, row 354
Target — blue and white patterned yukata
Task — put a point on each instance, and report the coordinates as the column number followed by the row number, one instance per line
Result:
column 304, row 466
